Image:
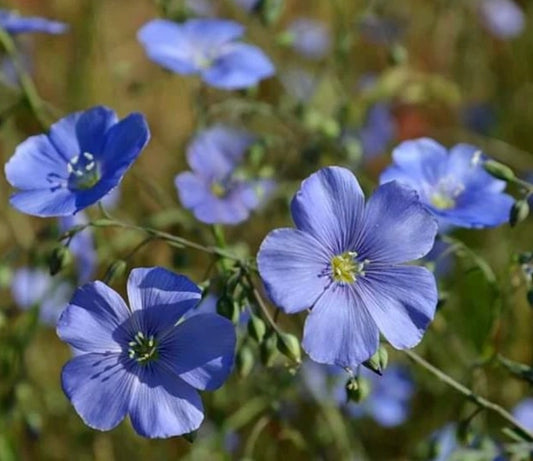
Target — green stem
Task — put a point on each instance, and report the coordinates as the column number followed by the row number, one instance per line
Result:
column 469, row 394
column 27, row 86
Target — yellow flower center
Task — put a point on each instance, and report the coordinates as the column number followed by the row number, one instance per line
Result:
column 345, row 268
column 442, row 201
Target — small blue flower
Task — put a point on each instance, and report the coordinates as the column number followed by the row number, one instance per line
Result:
column 523, row 412
column 454, row 187
column 81, row 246
column 32, row 287
column 208, row 47
column 143, row 361
column 343, row 261
column 213, row 190
column 503, row 18
column 80, row 160
column 310, row 38
column 13, row 23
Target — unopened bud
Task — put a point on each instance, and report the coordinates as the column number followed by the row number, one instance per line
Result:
column 519, row 212
column 268, row 349
column 190, row 436
column 228, row 308
column 357, row 389
column 378, row 362
column 289, row 346
column 256, row 328
column 59, row 259
column 499, row 170
column 116, row 270
column 270, row 10
column 245, row 361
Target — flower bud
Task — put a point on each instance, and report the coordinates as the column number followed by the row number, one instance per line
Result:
column 228, row 308
column 268, row 349
column 499, row 170
column 270, row 10
column 59, row 259
column 519, row 212
column 116, row 270
column 378, row 362
column 256, row 328
column 357, row 389
column 245, row 361
column 190, row 436
column 289, row 346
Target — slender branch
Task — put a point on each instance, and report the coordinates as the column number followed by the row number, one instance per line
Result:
column 261, row 303
column 469, row 394
column 27, row 86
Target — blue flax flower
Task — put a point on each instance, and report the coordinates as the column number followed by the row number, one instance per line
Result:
column 213, row 190
column 32, row 287
column 523, row 412
column 454, row 187
column 81, row 246
column 310, row 38
column 208, row 47
column 80, row 160
column 503, row 18
column 343, row 261
column 14, row 23
column 143, row 361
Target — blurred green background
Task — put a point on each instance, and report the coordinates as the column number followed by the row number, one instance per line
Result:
column 442, row 63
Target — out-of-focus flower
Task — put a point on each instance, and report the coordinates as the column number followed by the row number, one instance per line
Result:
column 209, row 47
column 143, row 362
column 81, row 246
column 213, row 190
column 379, row 30
column 377, row 131
column 309, row 37
column 32, row 287
column 454, row 187
column 478, row 117
column 14, row 23
column 523, row 412
column 343, row 261
column 82, row 158
column 441, row 258
column 503, row 18
column 387, row 403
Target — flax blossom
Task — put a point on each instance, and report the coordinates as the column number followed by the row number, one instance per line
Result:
column 343, row 262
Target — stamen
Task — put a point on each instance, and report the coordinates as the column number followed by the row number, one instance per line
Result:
column 143, row 349
column 345, row 268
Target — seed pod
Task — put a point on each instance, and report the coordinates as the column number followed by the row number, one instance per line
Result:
column 268, row 349
column 228, row 308
column 499, row 170
column 256, row 328
column 289, row 346
column 59, row 259
column 519, row 212
column 357, row 389
column 378, row 362
column 245, row 361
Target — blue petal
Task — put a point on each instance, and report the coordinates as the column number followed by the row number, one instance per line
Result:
column 124, row 142
column 463, row 167
column 200, row 350
column 210, row 34
column 480, row 209
column 419, row 160
column 393, row 215
column 55, row 302
column 238, row 66
column 13, row 23
column 29, row 286
column 99, row 388
column 192, row 189
column 34, row 161
column 401, row 300
column 293, row 267
column 162, row 405
column 388, row 412
column 45, row 202
column 161, row 296
column 94, row 321
column 329, row 206
column 63, row 137
column 339, row 329
column 216, row 151
column 91, row 128
column 167, row 44
column 523, row 412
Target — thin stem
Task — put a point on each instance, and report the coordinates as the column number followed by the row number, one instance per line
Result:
column 26, row 83
column 469, row 394
column 261, row 303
